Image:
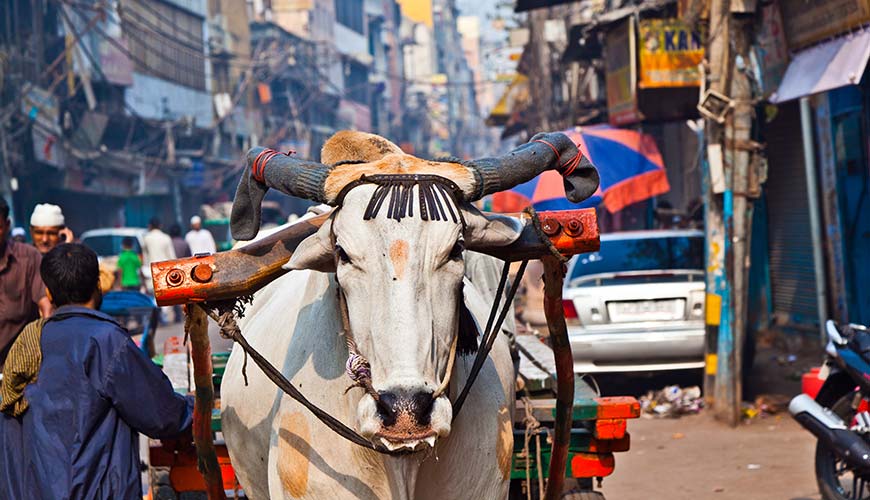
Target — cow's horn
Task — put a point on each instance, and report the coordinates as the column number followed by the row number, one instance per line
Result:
column 266, row 169
column 546, row 151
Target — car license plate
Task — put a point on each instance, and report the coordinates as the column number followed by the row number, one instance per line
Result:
column 646, row 310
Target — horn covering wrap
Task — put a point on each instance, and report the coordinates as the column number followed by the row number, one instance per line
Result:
column 531, row 159
column 300, row 178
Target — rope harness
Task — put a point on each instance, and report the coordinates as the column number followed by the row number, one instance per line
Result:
column 357, row 366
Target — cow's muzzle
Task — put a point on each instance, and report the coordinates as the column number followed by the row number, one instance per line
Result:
column 405, row 419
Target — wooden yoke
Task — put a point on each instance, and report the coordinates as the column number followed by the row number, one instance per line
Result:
column 243, row 271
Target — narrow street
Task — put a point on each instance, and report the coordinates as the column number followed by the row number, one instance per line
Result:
column 665, row 200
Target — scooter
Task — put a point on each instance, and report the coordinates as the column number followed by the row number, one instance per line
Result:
column 840, row 415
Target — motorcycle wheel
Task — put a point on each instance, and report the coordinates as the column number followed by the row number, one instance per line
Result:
column 835, row 479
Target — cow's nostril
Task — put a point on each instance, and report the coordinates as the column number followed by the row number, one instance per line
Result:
column 417, row 406
column 421, row 407
column 387, row 406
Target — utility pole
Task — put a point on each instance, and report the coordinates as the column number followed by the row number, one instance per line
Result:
column 728, row 214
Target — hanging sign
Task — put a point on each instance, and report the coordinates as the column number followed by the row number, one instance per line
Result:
column 809, row 21
column 621, row 74
column 670, row 54
column 771, row 49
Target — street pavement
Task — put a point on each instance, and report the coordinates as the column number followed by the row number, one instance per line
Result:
column 697, row 457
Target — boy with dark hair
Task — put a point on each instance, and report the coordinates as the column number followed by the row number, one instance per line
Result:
column 76, row 392
column 129, row 266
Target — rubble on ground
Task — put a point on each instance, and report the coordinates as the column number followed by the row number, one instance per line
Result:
column 672, row 402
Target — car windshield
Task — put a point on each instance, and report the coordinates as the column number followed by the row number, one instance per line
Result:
column 108, row 245
column 676, row 252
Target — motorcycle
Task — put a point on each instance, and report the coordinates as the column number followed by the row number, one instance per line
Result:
column 840, row 415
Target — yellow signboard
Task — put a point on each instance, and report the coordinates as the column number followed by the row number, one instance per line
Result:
column 670, row 54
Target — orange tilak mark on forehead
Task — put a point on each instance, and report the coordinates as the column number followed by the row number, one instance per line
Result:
column 399, row 257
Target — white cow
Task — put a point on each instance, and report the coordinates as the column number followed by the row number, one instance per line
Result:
column 403, row 282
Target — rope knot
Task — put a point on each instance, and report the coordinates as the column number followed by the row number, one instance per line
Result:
column 357, row 367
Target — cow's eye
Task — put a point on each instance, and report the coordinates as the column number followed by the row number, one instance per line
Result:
column 456, row 251
column 342, row 255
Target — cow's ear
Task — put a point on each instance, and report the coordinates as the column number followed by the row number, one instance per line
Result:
column 489, row 230
column 315, row 252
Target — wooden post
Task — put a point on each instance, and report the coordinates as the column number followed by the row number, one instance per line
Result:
column 728, row 217
column 738, row 155
column 714, row 224
column 554, row 277
column 196, row 327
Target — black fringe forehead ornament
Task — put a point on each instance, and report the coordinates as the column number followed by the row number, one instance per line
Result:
column 437, row 196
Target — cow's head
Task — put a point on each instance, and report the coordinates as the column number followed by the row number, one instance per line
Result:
column 395, row 243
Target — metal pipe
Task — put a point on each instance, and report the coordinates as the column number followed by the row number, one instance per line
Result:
column 815, row 224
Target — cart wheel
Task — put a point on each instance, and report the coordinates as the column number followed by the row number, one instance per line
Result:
column 160, row 485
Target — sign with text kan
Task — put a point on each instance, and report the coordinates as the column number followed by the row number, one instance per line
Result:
column 670, row 54
column 621, row 74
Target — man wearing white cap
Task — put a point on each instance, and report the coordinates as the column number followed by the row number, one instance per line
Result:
column 198, row 239
column 47, row 227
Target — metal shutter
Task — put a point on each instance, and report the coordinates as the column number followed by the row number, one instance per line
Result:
column 792, row 277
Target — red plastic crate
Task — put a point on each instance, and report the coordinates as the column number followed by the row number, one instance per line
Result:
column 811, row 383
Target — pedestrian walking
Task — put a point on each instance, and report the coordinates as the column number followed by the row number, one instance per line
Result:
column 182, row 249
column 47, row 227
column 76, row 391
column 129, row 266
column 157, row 245
column 199, row 239
column 22, row 293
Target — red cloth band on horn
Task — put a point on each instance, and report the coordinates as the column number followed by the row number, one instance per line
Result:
column 569, row 166
column 258, row 168
column 555, row 151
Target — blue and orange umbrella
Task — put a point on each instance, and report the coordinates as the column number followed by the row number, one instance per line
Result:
column 628, row 162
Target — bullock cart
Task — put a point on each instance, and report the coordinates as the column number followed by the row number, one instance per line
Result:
column 387, row 272
column 576, row 432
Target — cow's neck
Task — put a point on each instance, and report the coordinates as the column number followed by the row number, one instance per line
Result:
column 402, row 474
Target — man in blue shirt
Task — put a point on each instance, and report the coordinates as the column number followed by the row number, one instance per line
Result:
column 94, row 392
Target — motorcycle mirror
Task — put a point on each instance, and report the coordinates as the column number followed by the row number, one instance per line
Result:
column 834, row 333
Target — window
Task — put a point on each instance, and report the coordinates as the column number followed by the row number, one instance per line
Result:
column 165, row 42
column 350, row 14
column 109, row 245
column 627, row 255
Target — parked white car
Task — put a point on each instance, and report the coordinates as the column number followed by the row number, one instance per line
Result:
column 638, row 303
column 107, row 245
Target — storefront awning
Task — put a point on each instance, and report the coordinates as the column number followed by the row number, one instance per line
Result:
column 827, row 66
